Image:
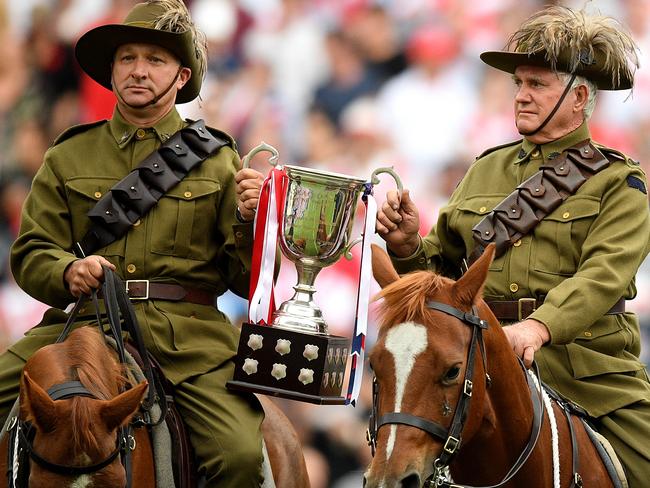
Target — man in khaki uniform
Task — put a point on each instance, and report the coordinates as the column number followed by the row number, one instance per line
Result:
column 560, row 282
column 195, row 239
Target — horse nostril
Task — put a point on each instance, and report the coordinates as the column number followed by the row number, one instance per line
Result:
column 411, row 481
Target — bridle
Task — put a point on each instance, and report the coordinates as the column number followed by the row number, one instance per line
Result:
column 21, row 447
column 452, row 435
column 23, row 434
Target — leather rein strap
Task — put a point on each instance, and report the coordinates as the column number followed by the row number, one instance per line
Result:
column 452, row 436
column 118, row 309
column 537, row 197
column 132, row 197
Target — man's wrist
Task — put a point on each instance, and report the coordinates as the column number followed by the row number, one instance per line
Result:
column 406, row 250
column 241, row 219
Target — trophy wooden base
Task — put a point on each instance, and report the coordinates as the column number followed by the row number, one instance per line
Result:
column 290, row 364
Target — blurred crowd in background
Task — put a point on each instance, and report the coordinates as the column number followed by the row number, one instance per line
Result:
column 342, row 85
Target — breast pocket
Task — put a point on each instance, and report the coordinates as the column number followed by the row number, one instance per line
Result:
column 558, row 238
column 469, row 213
column 184, row 221
column 83, row 193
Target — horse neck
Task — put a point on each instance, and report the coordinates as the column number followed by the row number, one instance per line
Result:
column 507, row 411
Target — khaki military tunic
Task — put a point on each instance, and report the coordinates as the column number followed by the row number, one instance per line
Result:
column 190, row 238
column 582, row 258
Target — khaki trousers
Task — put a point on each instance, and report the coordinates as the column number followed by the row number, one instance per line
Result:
column 633, row 451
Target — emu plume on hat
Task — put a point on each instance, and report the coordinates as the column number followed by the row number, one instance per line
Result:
column 596, row 47
column 165, row 23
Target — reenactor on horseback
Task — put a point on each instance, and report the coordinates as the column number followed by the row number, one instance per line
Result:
column 570, row 221
column 121, row 193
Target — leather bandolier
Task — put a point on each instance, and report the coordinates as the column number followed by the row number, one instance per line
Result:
column 537, row 197
column 528, row 205
column 133, row 196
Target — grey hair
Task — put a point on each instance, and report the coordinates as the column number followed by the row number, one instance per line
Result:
column 591, row 88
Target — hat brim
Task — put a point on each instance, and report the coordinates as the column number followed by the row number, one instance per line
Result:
column 508, row 61
column 95, row 50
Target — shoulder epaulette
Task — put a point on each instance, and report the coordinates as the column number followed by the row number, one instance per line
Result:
column 76, row 129
column 496, row 148
column 613, row 154
column 230, row 141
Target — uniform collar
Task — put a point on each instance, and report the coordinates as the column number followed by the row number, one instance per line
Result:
column 554, row 148
column 124, row 131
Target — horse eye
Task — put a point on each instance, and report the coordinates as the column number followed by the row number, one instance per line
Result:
column 452, row 373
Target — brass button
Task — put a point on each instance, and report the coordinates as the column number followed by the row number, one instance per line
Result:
column 535, row 153
column 187, row 194
column 566, row 215
column 517, row 243
column 587, row 334
column 514, row 287
column 131, row 268
column 140, row 133
column 239, row 234
column 136, row 223
column 98, row 194
column 482, row 209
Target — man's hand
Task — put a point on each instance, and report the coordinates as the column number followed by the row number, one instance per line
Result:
column 84, row 275
column 398, row 223
column 249, row 183
column 526, row 338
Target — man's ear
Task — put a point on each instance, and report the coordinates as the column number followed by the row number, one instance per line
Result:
column 184, row 76
column 582, row 97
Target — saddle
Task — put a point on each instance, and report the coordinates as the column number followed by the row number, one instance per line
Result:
column 180, row 454
column 160, row 393
column 600, row 443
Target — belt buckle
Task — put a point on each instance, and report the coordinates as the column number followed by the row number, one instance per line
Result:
column 146, row 295
column 520, row 302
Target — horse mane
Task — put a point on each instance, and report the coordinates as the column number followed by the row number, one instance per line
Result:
column 405, row 299
column 95, row 365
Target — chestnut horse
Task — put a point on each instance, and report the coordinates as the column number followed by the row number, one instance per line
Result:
column 451, row 394
column 82, row 432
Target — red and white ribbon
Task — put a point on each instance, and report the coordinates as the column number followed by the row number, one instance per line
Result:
column 267, row 229
column 357, row 351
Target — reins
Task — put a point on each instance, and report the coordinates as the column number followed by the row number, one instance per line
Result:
column 452, row 435
column 117, row 305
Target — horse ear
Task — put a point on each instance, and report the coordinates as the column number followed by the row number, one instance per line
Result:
column 38, row 406
column 119, row 410
column 469, row 288
column 382, row 267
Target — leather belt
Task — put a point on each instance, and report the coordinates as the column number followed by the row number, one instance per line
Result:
column 146, row 290
column 517, row 310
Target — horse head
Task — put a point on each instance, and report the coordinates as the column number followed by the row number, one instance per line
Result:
column 428, row 359
column 70, row 398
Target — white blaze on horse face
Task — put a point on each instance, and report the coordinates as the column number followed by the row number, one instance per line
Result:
column 83, row 481
column 405, row 342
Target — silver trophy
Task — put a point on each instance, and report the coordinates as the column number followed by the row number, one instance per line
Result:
column 296, row 357
column 315, row 232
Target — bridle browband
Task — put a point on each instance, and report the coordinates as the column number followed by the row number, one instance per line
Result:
column 26, row 435
column 452, row 436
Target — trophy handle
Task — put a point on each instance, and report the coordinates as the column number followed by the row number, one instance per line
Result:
column 273, row 159
column 348, row 248
column 374, row 179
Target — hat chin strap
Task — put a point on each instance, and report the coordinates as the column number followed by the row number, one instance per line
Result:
column 155, row 99
column 555, row 109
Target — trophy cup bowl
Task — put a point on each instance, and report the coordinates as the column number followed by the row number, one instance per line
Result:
column 315, row 232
